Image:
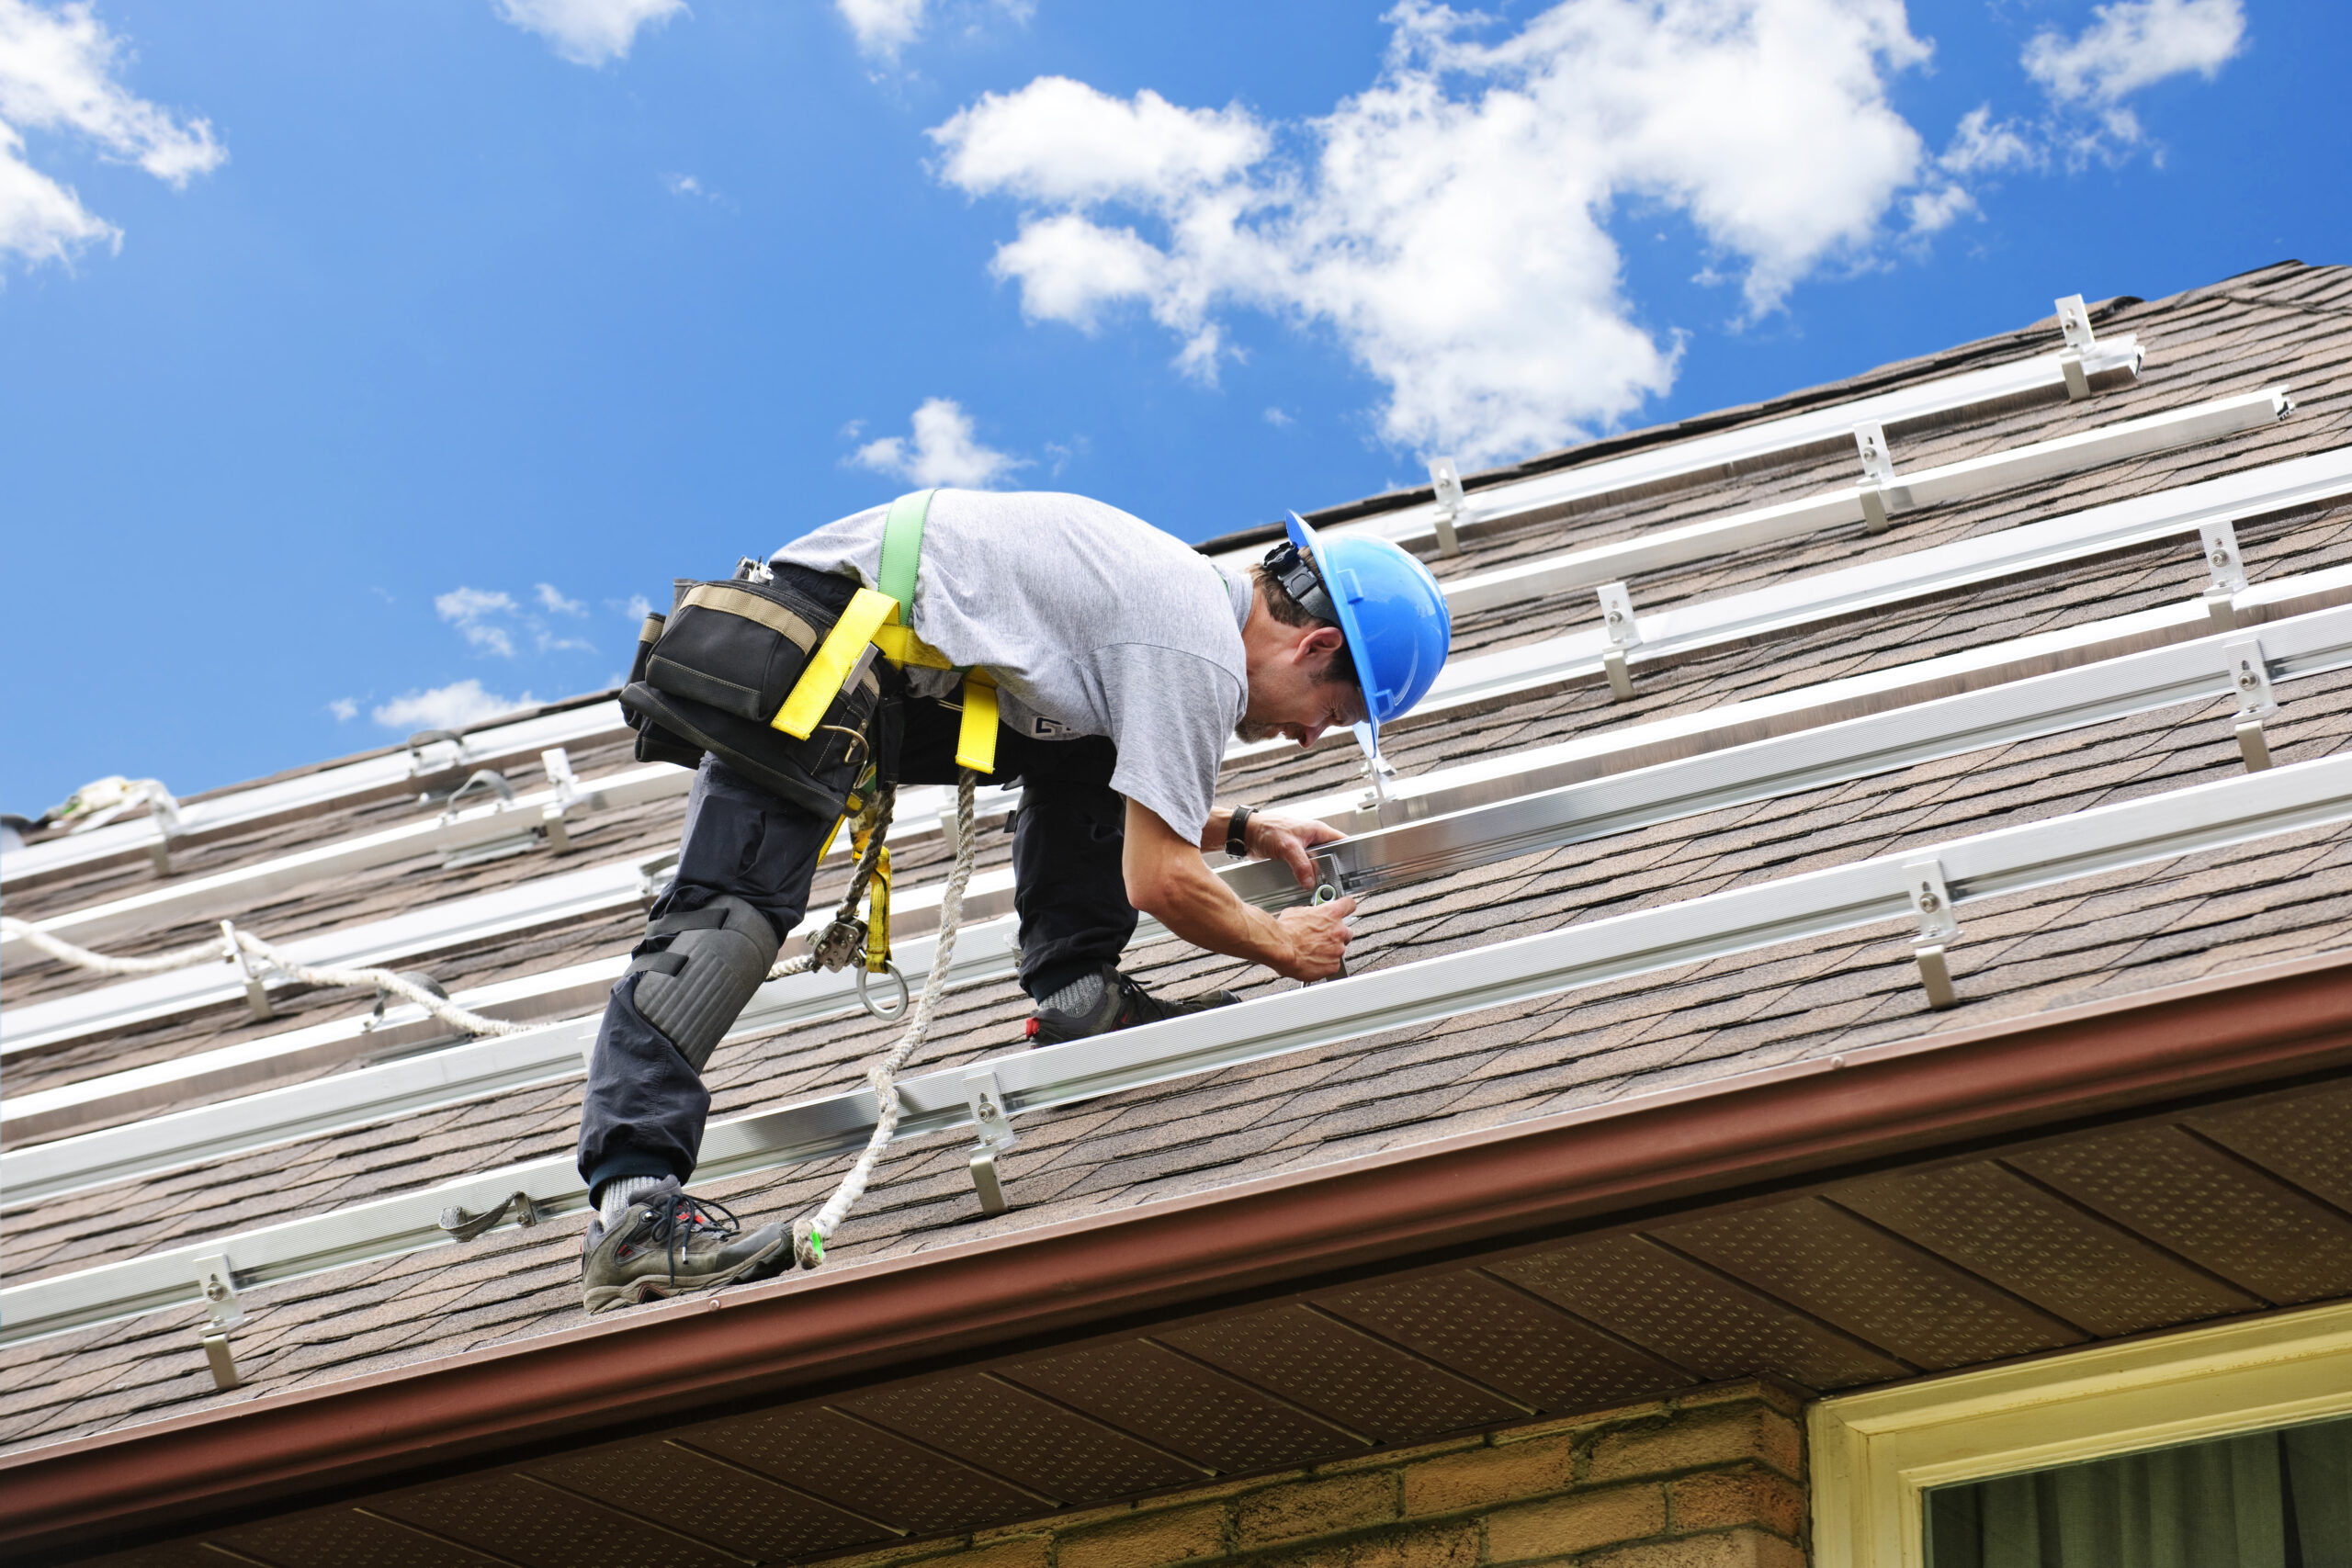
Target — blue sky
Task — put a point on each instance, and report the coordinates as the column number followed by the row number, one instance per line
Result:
column 360, row 363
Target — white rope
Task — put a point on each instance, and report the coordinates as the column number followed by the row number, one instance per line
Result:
column 810, row 1235
column 227, row 947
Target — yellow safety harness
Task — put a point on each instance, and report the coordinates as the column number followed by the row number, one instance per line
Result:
column 880, row 619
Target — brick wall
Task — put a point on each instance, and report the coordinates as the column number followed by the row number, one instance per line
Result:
column 1713, row 1480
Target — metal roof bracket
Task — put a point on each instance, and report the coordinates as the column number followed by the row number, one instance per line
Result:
column 424, row 759
column 256, row 992
column 1624, row 632
column 2250, row 681
column 654, row 875
column 223, row 1364
column 163, row 810
column 985, row 1098
column 463, row 1226
column 1923, row 881
column 1878, row 472
column 1379, row 771
column 2219, row 541
column 219, row 1289
column 2075, row 320
column 1445, row 481
column 558, row 763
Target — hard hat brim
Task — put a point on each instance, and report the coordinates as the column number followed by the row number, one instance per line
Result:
column 1307, row 539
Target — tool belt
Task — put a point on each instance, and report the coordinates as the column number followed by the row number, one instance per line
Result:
column 800, row 700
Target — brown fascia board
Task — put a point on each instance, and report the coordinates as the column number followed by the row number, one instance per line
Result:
column 1506, row 1185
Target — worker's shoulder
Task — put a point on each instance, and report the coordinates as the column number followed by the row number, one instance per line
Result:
column 1052, row 508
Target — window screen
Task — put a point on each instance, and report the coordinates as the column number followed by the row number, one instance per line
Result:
column 2275, row 1499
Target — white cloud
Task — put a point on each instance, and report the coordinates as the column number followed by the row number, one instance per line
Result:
column 473, row 612
column 1449, row 222
column 1279, row 420
column 636, row 607
column 553, row 601
column 344, row 709
column 943, row 451
column 57, row 70
column 588, row 32
column 2133, row 44
column 453, row 706
column 882, row 28
column 1978, row 146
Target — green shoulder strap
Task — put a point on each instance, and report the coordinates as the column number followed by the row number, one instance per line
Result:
column 902, row 549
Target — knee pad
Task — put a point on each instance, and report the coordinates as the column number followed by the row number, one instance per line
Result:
column 718, row 956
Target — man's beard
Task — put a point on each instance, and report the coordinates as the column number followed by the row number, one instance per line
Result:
column 1253, row 730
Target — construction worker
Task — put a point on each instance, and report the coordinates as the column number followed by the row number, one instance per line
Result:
column 1122, row 659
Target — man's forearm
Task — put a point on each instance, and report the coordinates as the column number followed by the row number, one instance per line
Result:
column 1196, row 906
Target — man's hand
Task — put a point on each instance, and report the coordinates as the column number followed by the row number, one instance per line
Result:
column 1167, row 880
column 1318, row 939
column 1290, row 840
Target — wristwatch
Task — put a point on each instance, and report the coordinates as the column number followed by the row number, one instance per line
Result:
column 1236, row 833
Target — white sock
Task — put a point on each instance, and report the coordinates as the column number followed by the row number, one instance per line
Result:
column 620, row 1192
column 1078, row 996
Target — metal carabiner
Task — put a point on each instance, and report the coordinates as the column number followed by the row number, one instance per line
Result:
column 905, row 996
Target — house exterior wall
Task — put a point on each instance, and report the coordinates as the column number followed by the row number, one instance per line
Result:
column 1709, row 1480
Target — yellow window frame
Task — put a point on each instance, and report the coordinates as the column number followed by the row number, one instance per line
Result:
column 1875, row 1454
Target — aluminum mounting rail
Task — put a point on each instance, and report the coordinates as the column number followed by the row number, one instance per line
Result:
column 1468, row 815
column 2206, row 505
column 1984, row 865
column 344, row 1041
column 1894, row 495
column 387, row 773
column 496, row 743
column 391, row 942
column 526, row 817
column 1708, row 456
column 2185, row 510
column 1465, row 680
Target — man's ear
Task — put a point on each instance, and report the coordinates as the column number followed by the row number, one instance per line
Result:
column 1321, row 641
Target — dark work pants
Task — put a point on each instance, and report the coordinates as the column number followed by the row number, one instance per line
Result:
column 646, row 1107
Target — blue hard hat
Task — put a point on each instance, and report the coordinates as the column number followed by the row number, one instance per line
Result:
column 1392, row 613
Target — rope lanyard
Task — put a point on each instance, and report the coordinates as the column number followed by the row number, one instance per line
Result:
column 234, row 946
column 810, row 1235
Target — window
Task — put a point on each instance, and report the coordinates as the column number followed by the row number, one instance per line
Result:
column 2054, row 1462
column 2276, row 1499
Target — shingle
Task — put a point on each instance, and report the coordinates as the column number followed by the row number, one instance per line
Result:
column 2094, row 938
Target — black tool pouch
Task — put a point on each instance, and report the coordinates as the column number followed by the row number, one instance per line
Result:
column 716, row 669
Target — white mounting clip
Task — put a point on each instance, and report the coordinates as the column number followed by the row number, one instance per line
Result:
column 1923, row 883
column 558, row 763
column 421, row 764
column 2219, row 541
column 2075, row 320
column 2250, row 684
column 985, row 1097
column 654, row 876
column 256, row 993
column 1445, row 480
column 1379, row 769
column 218, row 1288
column 164, row 811
column 1623, row 631
column 1878, row 472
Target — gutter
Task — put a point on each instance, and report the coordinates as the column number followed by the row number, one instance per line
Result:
column 1516, row 1185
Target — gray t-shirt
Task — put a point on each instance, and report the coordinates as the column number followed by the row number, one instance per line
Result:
column 1092, row 621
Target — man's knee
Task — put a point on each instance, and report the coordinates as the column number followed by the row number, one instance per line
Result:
column 718, row 958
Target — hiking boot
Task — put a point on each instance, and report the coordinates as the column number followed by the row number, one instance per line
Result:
column 1105, row 1000
column 668, row 1241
